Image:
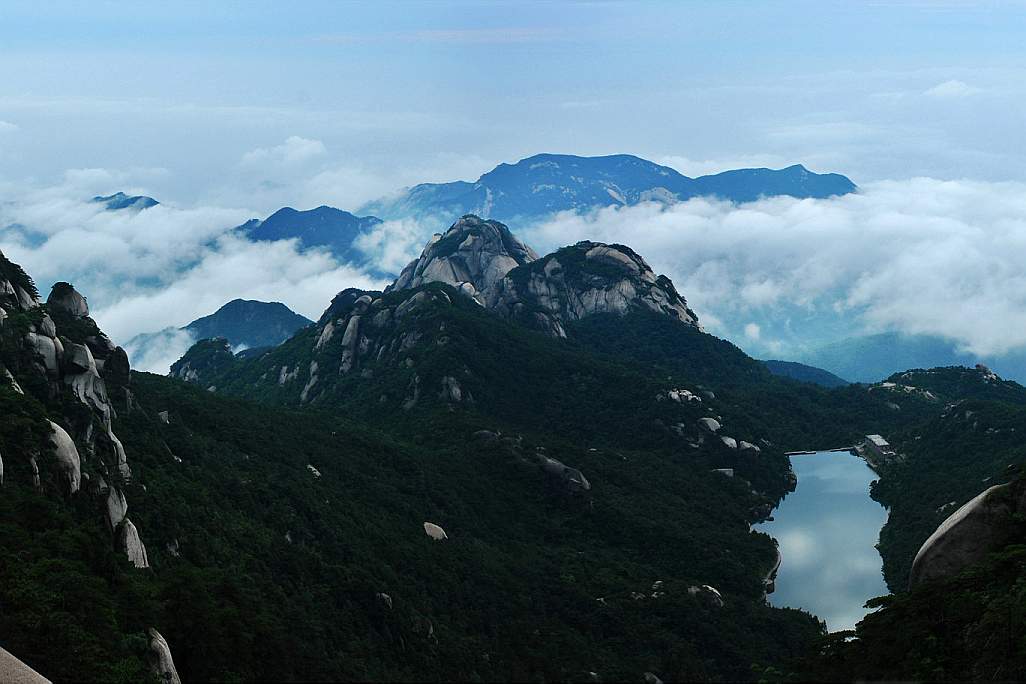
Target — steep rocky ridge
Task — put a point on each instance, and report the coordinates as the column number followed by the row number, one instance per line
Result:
column 473, row 256
column 483, row 260
column 583, row 280
column 58, row 366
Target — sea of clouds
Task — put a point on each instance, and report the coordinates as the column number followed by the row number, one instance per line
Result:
column 919, row 256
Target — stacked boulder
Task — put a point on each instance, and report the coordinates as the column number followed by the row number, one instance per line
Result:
column 58, row 353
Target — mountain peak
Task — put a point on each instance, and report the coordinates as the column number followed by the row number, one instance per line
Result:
column 473, row 255
column 120, row 200
column 585, row 279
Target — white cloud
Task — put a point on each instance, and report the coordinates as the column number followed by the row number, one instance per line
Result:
column 8, row 127
column 920, row 256
column 951, row 89
column 704, row 167
column 164, row 266
column 155, row 353
column 752, row 331
column 391, row 245
column 295, row 150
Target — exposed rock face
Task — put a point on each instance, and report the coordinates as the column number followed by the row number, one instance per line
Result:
column 472, row 256
column 582, row 280
column 982, row 525
column 572, row 478
column 117, row 507
column 13, row 671
column 161, row 662
column 203, row 357
column 133, row 545
column 708, row 593
column 435, row 532
column 67, row 350
column 710, row 424
column 67, row 457
column 65, row 298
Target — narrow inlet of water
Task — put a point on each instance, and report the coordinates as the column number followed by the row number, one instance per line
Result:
column 827, row 530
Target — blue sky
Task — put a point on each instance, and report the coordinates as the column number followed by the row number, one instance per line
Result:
column 171, row 97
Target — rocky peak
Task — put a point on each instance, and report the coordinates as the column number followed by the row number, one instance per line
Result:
column 64, row 297
column 17, row 291
column 472, row 256
column 59, row 355
column 585, row 279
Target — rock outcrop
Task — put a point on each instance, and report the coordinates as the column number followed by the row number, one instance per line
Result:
column 161, row 662
column 65, row 298
column 983, row 525
column 59, row 355
column 473, row 256
column 132, row 545
column 571, row 478
column 434, row 531
column 582, row 280
column 68, row 460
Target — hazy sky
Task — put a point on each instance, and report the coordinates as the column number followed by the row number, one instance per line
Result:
column 229, row 110
column 193, row 101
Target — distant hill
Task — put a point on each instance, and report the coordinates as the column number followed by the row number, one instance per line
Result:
column 246, row 324
column 249, row 323
column 321, row 227
column 120, row 200
column 546, row 183
column 803, row 373
column 871, row 358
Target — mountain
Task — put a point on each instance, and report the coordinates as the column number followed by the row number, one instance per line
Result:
column 467, row 487
column 803, row 373
column 249, row 323
column 549, row 473
column 120, row 200
column 324, row 226
column 245, row 324
column 541, row 185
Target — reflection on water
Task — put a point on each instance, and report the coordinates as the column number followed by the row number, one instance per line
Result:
column 827, row 530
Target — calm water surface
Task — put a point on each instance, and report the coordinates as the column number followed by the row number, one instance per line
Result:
column 827, row 530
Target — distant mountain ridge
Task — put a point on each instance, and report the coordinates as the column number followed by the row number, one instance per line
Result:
column 250, row 323
column 120, row 200
column 244, row 324
column 547, row 183
column 324, row 226
column 871, row 358
column 804, row 373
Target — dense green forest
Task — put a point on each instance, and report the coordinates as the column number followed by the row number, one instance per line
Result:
column 589, row 533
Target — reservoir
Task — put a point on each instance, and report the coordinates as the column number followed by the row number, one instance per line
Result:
column 827, row 530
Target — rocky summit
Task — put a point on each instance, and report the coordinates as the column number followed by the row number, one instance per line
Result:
column 473, row 256
column 485, row 261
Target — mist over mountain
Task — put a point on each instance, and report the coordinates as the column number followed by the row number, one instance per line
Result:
column 120, row 200
column 324, row 226
column 244, row 324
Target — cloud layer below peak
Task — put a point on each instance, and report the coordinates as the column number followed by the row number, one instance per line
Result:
column 919, row 256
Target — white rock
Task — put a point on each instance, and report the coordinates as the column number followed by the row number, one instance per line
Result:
column 710, row 424
column 117, row 507
column 748, row 446
column 434, row 531
column 133, row 545
column 67, row 457
column 160, row 658
column 730, row 442
column 313, row 471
